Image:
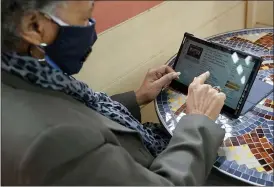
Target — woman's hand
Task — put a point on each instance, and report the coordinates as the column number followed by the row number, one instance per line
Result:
column 155, row 80
column 203, row 99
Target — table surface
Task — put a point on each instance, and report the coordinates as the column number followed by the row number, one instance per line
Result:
column 247, row 150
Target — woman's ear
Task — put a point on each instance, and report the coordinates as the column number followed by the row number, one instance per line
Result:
column 31, row 28
column 35, row 29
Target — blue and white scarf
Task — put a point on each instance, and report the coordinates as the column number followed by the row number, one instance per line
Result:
column 154, row 136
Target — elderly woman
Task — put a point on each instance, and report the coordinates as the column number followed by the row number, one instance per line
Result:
column 58, row 131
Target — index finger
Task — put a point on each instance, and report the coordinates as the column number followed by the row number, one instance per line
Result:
column 202, row 78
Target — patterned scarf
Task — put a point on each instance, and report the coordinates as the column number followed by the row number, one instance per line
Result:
column 154, row 136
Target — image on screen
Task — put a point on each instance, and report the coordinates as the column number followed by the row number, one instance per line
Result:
column 229, row 71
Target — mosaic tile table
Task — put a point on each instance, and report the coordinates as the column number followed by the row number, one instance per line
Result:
column 247, row 150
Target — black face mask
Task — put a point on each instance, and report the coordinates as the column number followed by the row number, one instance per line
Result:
column 72, row 46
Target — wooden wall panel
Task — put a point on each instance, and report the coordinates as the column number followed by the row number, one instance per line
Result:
column 264, row 13
column 259, row 14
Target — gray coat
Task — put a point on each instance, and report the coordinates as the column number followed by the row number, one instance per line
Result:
column 48, row 138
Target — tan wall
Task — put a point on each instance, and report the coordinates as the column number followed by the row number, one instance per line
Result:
column 264, row 14
column 260, row 14
column 123, row 54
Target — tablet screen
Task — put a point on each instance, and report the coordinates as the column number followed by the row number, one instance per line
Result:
column 229, row 70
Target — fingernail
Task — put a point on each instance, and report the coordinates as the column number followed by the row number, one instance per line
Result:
column 178, row 73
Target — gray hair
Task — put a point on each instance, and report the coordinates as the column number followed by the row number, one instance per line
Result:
column 12, row 13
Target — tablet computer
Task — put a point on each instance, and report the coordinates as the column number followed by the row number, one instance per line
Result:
column 233, row 71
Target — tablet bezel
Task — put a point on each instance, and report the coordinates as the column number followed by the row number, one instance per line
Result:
column 233, row 113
